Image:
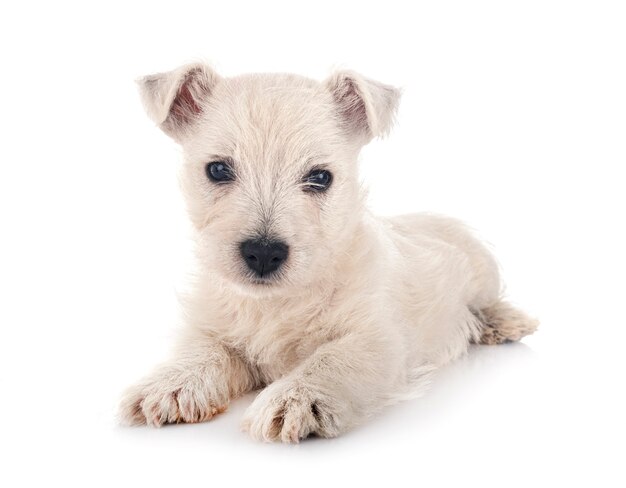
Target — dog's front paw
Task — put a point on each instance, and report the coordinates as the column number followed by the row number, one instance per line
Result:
column 170, row 396
column 288, row 413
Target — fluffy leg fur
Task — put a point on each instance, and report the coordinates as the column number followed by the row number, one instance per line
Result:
column 332, row 390
column 193, row 387
column 504, row 323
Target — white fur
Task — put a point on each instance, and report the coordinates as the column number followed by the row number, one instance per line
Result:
column 364, row 307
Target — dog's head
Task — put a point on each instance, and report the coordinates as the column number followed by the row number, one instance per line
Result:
column 270, row 171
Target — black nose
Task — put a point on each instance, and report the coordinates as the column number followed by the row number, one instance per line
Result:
column 262, row 256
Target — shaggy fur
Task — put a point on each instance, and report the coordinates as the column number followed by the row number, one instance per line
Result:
column 363, row 309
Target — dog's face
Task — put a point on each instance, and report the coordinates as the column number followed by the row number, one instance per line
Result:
column 270, row 172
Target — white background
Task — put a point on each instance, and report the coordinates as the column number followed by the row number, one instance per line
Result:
column 513, row 118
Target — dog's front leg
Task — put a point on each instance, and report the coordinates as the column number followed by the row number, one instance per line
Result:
column 341, row 383
column 194, row 386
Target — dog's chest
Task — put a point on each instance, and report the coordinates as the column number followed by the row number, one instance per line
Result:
column 274, row 340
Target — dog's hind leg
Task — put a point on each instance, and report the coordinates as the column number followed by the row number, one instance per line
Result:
column 503, row 322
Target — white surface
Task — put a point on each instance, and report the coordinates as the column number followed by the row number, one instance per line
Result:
column 524, row 104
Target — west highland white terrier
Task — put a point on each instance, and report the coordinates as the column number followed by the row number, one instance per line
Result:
column 332, row 311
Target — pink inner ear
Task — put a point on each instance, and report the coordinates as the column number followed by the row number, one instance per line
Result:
column 186, row 105
column 351, row 104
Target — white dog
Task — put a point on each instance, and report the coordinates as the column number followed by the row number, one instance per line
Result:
column 332, row 311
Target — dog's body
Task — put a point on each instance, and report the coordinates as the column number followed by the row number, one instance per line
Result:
column 301, row 291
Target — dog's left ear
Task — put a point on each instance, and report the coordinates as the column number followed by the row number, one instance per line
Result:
column 176, row 99
column 366, row 107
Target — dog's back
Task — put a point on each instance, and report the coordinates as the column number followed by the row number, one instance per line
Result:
column 450, row 277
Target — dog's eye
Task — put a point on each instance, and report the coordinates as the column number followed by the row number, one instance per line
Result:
column 219, row 172
column 318, row 180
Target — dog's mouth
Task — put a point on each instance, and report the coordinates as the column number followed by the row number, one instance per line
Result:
column 274, row 280
column 264, row 281
column 257, row 286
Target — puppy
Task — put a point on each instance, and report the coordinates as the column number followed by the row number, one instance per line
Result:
column 332, row 311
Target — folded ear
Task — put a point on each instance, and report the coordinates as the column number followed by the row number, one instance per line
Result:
column 366, row 107
column 175, row 100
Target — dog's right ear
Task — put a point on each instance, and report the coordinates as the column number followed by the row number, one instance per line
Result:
column 176, row 99
column 365, row 106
